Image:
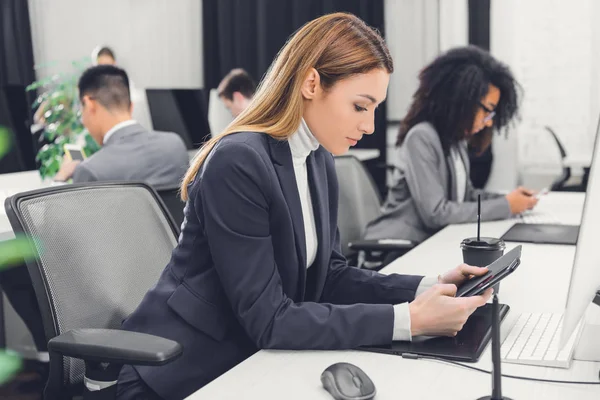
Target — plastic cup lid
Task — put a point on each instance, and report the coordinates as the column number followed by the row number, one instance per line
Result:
column 484, row 243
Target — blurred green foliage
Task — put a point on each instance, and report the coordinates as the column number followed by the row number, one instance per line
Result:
column 58, row 109
column 5, row 141
column 10, row 364
column 12, row 253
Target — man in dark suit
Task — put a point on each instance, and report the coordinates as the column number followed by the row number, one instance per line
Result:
column 129, row 152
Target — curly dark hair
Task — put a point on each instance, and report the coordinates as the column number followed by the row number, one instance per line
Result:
column 450, row 91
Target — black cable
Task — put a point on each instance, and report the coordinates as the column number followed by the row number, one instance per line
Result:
column 411, row 356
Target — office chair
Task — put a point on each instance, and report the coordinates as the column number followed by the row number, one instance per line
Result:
column 101, row 247
column 560, row 183
column 565, row 175
column 359, row 204
column 172, row 200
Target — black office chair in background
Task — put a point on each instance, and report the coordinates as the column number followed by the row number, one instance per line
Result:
column 359, row 204
column 565, row 175
column 172, row 200
column 560, row 184
column 101, row 247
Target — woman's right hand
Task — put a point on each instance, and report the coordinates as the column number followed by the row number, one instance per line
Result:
column 436, row 312
column 521, row 200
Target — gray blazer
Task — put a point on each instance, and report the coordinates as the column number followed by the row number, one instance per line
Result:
column 134, row 154
column 422, row 197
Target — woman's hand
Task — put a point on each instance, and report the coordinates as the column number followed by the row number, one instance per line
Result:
column 521, row 200
column 436, row 312
column 462, row 273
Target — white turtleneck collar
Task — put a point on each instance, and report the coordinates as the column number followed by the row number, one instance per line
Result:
column 302, row 142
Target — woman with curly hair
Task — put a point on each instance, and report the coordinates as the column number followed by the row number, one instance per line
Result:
column 462, row 93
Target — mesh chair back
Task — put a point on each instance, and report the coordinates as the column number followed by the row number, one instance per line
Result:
column 101, row 248
column 359, row 201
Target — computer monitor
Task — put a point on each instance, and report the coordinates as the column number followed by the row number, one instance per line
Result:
column 585, row 278
column 183, row 111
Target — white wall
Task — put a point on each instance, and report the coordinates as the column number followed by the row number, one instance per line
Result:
column 454, row 23
column 416, row 32
column 158, row 42
column 552, row 47
column 412, row 36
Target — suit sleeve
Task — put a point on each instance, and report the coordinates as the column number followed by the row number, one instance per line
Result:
column 234, row 196
column 427, row 188
column 347, row 285
column 83, row 174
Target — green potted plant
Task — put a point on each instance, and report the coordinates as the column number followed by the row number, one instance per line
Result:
column 12, row 252
column 58, row 109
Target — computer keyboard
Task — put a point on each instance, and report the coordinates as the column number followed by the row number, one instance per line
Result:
column 538, row 218
column 535, row 339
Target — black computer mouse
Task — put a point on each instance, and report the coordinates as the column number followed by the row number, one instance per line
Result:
column 347, row 382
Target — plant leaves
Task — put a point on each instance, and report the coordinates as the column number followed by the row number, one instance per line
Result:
column 5, row 140
column 10, row 364
column 13, row 252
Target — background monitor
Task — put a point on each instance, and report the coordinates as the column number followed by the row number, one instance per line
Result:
column 183, row 111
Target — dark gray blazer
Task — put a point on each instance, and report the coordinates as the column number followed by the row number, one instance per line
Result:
column 134, row 154
column 237, row 281
column 422, row 197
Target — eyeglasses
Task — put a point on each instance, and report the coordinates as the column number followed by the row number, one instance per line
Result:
column 490, row 113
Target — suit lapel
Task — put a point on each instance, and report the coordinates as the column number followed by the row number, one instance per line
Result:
column 451, row 177
column 282, row 160
column 464, row 155
column 319, row 196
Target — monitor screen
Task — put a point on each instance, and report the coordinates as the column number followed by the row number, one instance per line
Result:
column 585, row 278
column 182, row 111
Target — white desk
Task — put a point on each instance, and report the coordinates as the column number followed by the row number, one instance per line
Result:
column 361, row 154
column 295, row 374
column 18, row 337
column 15, row 183
column 364, row 154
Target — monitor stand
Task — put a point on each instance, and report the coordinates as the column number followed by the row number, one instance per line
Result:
column 587, row 348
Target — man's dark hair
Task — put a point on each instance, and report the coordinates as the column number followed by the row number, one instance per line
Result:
column 450, row 91
column 106, row 51
column 237, row 80
column 107, row 84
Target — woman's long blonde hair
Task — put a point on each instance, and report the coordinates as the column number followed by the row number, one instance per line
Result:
column 336, row 45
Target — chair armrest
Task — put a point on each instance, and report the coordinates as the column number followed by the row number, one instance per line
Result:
column 115, row 346
column 382, row 245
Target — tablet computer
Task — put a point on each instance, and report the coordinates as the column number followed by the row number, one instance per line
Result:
column 466, row 346
column 543, row 234
column 497, row 271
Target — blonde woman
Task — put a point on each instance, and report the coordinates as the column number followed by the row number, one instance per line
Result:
column 258, row 264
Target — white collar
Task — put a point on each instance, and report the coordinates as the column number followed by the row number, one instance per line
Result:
column 302, row 142
column 115, row 128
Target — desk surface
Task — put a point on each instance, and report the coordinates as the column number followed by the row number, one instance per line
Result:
column 15, row 183
column 295, row 374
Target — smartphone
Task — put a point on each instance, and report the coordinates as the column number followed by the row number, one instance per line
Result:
column 542, row 192
column 497, row 271
column 74, row 152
